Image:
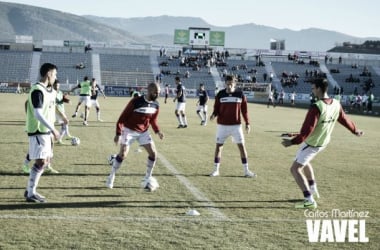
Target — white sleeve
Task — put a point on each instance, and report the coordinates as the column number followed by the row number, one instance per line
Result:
column 38, row 114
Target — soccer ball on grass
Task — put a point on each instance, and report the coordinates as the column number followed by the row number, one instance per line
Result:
column 75, row 141
column 150, row 184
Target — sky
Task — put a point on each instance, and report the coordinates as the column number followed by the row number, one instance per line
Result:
column 351, row 17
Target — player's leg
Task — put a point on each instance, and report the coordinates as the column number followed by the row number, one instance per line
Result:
column 39, row 145
column 309, row 173
column 77, row 108
column 184, row 116
column 199, row 114
column 304, row 155
column 123, row 152
column 205, row 115
column 87, row 106
column 217, row 157
column 179, row 118
column 97, row 108
column 152, row 158
column 221, row 135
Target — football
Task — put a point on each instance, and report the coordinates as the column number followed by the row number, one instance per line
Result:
column 150, row 184
column 111, row 159
column 75, row 141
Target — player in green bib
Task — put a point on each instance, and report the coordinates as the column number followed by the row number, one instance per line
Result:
column 84, row 96
column 40, row 116
column 314, row 136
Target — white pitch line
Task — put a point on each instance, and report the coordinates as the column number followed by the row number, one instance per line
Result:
column 158, row 219
column 197, row 193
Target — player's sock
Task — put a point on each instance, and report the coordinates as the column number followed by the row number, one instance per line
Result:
column 34, row 178
column 179, row 118
column 184, row 120
column 244, row 161
column 308, row 196
column 151, row 162
column 116, row 164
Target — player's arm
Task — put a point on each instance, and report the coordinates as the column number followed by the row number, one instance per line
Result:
column 155, row 126
column 76, row 87
column 214, row 113
column 128, row 110
column 307, row 128
column 102, row 92
column 346, row 122
column 244, row 111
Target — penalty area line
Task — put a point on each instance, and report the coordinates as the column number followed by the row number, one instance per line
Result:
column 193, row 190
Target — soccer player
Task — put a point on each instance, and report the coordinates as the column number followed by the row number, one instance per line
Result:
column 202, row 104
column 181, row 103
column 315, row 134
column 166, row 92
column 229, row 103
column 60, row 114
column 84, row 96
column 132, row 125
column 95, row 89
column 39, row 125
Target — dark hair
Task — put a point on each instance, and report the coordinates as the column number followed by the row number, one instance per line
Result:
column 46, row 67
column 321, row 83
column 230, row 78
column 177, row 78
column 201, row 84
column 85, row 78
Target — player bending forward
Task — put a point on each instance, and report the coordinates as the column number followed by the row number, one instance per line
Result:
column 133, row 124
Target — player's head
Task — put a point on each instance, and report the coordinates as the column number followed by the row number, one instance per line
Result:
column 201, row 86
column 177, row 79
column 85, row 78
column 48, row 72
column 153, row 91
column 319, row 85
column 230, row 83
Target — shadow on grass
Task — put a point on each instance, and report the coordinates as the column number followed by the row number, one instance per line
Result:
column 151, row 204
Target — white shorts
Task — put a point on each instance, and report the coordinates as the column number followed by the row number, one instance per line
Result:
column 224, row 131
column 306, row 153
column 181, row 106
column 128, row 136
column 86, row 99
column 202, row 108
column 94, row 103
column 40, row 147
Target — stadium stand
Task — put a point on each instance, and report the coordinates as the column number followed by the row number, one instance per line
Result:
column 69, row 70
column 135, row 69
column 15, row 66
column 126, row 70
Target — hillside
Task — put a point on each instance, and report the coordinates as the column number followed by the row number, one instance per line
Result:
column 47, row 24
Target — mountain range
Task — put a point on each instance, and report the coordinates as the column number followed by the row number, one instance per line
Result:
column 48, row 24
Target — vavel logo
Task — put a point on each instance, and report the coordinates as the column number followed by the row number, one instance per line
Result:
column 345, row 227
